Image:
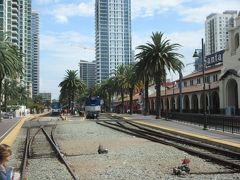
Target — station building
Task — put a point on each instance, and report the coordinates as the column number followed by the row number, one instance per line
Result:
column 222, row 85
column 229, row 86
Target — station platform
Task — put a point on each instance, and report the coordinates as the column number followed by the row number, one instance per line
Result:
column 9, row 128
column 220, row 138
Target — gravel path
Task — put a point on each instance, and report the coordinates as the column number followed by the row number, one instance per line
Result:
column 129, row 157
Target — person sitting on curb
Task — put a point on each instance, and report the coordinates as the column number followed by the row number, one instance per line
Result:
column 6, row 173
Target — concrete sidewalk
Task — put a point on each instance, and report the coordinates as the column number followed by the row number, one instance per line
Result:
column 6, row 124
column 184, row 128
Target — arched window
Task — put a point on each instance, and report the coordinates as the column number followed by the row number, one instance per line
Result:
column 236, row 40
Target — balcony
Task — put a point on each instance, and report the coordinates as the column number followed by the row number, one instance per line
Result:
column 14, row 10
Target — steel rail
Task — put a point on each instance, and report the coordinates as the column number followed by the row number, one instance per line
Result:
column 59, row 154
column 143, row 134
column 25, row 156
column 186, row 140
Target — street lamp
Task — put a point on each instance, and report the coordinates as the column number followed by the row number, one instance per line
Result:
column 202, row 55
column 180, row 91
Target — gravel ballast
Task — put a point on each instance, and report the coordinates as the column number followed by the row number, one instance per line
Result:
column 128, row 157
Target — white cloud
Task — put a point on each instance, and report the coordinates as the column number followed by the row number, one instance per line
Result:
column 58, row 55
column 199, row 14
column 46, row 1
column 63, row 11
column 189, row 41
column 185, row 8
column 145, row 8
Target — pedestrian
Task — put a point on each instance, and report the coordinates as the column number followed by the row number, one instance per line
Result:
column 6, row 172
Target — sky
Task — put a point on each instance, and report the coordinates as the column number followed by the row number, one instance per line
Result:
column 67, row 31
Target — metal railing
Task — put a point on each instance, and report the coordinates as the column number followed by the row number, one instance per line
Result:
column 218, row 122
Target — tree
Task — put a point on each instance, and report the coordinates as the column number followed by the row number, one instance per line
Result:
column 10, row 92
column 143, row 74
column 70, row 86
column 10, row 62
column 131, row 81
column 120, row 77
column 159, row 56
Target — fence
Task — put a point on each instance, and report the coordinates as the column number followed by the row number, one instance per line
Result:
column 217, row 122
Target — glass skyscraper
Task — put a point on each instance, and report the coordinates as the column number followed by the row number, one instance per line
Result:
column 87, row 70
column 26, row 42
column 113, row 36
column 35, row 53
column 15, row 21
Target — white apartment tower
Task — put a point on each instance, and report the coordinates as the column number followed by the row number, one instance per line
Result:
column 25, row 9
column 216, row 30
column 9, row 19
column 87, row 72
column 35, row 53
column 15, row 21
column 113, row 40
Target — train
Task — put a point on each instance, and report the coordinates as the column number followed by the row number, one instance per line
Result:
column 92, row 107
column 56, row 108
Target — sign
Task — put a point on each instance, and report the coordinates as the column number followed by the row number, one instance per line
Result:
column 214, row 58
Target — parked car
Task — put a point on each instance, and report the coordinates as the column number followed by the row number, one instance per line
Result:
column 8, row 115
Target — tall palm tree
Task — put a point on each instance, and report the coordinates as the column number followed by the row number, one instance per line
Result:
column 160, row 56
column 143, row 74
column 23, row 95
column 70, row 86
column 120, row 77
column 10, row 92
column 106, row 91
column 131, row 81
column 10, row 62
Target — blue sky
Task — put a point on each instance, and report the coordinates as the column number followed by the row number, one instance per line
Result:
column 67, row 31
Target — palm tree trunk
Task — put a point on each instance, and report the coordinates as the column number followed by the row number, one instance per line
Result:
column 131, row 100
column 69, row 103
column 109, row 101
column 73, row 98
column 1, row 81
column 5, row 95
column 146, row 110
column 122, row 96
column 158, row 97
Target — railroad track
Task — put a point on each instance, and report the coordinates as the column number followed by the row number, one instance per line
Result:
column 212, row 153
column 41, row 147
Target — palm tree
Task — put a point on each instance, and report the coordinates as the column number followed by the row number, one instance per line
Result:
column 10, row 92
column 160, row 56
column 23, row 95
column 70, row 86
column 106, row 91
column 143, row 74
column 10, row 62
column 120, row 77
column 131, row 80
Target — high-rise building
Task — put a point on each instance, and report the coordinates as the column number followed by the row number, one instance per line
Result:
column 35, row 53
column 9, row 19
column 15, row 22
column 113, row 36
column 87, row 72
column 216, row 30
column 46, row 97
column 25, row 9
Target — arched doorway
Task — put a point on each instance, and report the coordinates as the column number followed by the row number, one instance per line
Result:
column 152, row 105
column 186, row 103
column 167, row 101
column 232, row 95
column 194, row 103
column 162, row 107
column 173, row 104
column 215, row 103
